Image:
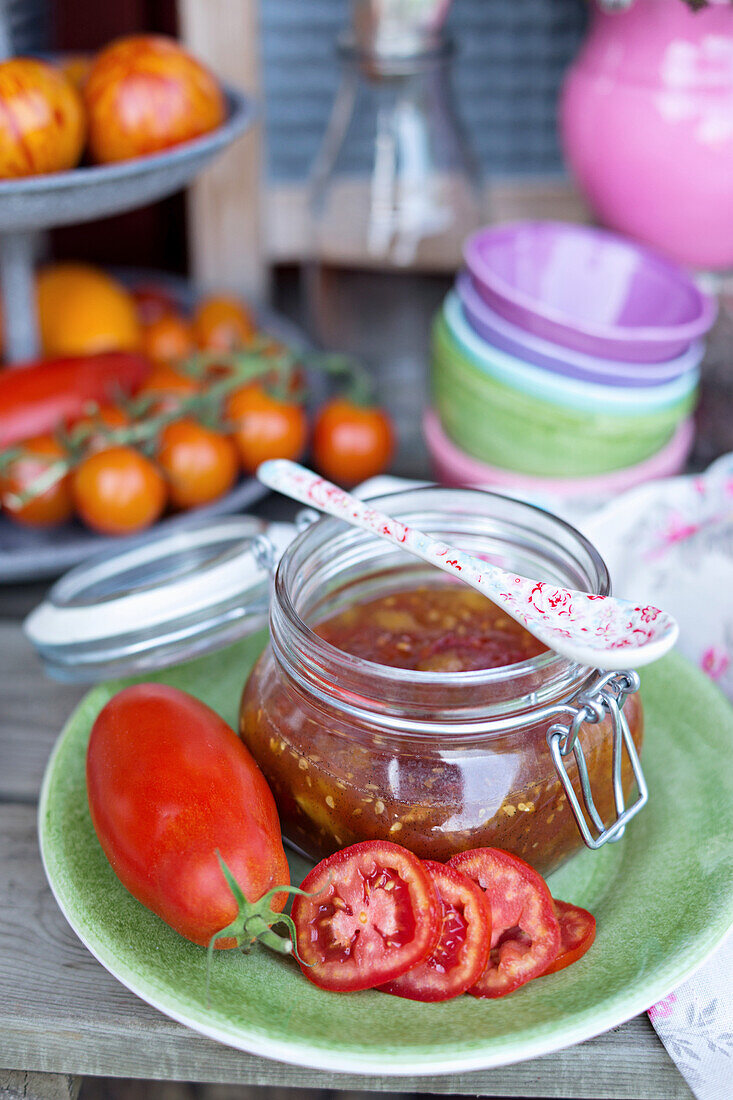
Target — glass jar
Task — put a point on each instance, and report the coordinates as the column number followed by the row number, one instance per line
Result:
column 393, row 194
column 437, row 761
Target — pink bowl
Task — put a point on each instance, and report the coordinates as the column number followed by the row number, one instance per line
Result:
column 455, row 468
column 588, row 289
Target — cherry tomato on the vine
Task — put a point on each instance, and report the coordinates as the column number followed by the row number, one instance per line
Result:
column 118, row 491
column 200, row 464
column 167, row 339
column 264, row 427
column 48, row 508
column 222, row 323
column 169, row 785
column 525, row 934
column 90, row 430
column 374, row 913
column 169, row 386
column 351, row 442
column 462, row 952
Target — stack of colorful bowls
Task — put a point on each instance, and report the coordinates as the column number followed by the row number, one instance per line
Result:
column 565, row 358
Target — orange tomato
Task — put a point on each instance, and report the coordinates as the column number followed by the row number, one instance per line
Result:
column 145, row 93
column 107, row 416
column 118, row 491
column 264, row 427
column 200, row 464
column 82, row 310
column 49, row 508
column 221, row 323
column 42, row 123
column 167, row 339
column 351, row 442
column 170, row 385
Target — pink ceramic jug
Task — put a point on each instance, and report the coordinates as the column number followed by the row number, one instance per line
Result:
column 646, row 123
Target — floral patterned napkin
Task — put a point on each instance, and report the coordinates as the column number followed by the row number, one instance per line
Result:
column 670, row 542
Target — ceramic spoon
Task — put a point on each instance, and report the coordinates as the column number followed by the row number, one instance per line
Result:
column 598, row 631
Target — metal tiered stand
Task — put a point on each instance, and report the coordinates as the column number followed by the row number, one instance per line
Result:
column 82, row 195
column 28, row 206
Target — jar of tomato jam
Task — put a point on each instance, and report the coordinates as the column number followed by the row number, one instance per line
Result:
column 391, row 701
column 395, row 703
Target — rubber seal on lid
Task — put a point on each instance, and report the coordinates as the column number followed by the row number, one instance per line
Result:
column 162, row 601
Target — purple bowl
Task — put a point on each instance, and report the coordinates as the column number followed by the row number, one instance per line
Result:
column 502, row 334
column 588, row 289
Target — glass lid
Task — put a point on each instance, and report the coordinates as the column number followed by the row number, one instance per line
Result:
column 163, row 600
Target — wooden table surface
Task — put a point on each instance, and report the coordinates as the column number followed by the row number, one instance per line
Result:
column 63, row 1016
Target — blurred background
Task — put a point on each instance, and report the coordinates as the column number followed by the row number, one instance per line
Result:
column 292, row 67
column 386, row 134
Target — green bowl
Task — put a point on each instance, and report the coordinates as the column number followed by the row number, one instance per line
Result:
column 662, row 896
column 505, row 427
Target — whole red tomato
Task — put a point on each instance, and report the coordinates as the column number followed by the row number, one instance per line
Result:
column 264, row 427
column 145, row 93
column 200, row 464
column 171, row 789
column 48, row 508
column 351, row 442
column 42, row 124
column 118, row 491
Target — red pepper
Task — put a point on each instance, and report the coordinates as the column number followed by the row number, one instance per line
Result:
column 36, row 398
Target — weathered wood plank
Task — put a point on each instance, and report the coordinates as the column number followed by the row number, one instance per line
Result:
column 33, row 712
column 61, row 1012
column 19, row 1085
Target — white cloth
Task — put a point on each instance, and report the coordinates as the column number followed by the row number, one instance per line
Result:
column 670, row 543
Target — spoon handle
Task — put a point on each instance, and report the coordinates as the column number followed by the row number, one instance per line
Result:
column 303, row 485
column 594, row 630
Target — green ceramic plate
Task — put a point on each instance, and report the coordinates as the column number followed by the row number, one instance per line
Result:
column 663, row 898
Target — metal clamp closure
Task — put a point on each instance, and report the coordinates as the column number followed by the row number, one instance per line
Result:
column 268, row 547
column 606, row 697
column 264, row 553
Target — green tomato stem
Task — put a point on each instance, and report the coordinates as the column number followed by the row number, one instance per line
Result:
column 254, row 920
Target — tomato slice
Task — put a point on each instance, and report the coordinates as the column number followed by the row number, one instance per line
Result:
column 462, row 952
column 577, row 932
column 375, row 914
column 525, row 933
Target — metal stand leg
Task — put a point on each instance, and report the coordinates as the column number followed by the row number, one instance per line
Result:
column 18, row 295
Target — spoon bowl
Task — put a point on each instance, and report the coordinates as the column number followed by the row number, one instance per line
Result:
column 598, row 631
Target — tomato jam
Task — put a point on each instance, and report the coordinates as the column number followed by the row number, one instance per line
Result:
column 441, row 628
column 361, row 743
